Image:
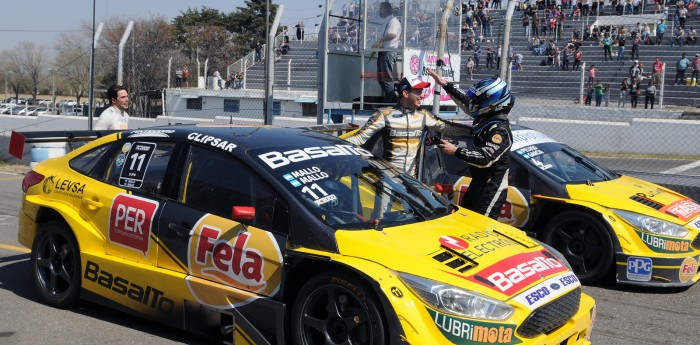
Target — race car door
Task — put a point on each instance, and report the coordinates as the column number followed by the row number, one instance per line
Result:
column 127, row 207
column 226, row 231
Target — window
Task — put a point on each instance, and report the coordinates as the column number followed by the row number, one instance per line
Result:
column 216, row 183
column 86, row 162
column 194, row 103
column 140, row 166
column 276, row 108
column 232, row 105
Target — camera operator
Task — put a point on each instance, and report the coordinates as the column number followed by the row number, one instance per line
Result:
column 488, row 101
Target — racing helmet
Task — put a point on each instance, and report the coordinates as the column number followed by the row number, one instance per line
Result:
column 489, row 96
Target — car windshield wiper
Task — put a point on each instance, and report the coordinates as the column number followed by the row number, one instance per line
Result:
column 395, row 195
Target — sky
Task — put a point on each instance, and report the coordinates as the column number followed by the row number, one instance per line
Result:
column 42, row 21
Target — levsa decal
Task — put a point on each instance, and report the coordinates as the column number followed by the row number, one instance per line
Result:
column 131, row 221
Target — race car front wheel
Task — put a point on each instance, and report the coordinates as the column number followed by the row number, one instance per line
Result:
column 336, row 308
column 55, row 261
column 585, row 243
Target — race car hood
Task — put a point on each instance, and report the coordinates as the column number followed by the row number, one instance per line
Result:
column 635, row 195
column 464, row 249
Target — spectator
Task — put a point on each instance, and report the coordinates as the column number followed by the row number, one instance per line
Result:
column 565, row 57
column 696, row 71
column 606, row 94
column 526, row 25
column 634, row 92
column 470, row 68
column 386, row 60
column 258, row 52
column 607, row 47
column 589, row 94
column 679, row 37
column 681, row 65
column 598, row 93
column 636, row 40
column 634, row 70
column 300, row 30
column 620, row 48
column 660, row 30
column 624, row 85
column 115, row 117
column 185, row 75
column 650, row 94
column 490, row 57
column 578, row 57
column 692, row 36
column 518, row 60
column 682, row 14
column 178, row 77
column 591, row 74
column 656, row 69
column 476, row 55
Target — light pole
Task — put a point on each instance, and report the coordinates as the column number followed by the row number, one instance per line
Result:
column 53, row 88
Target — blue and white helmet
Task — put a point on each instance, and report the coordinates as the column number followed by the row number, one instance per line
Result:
column 489, row 96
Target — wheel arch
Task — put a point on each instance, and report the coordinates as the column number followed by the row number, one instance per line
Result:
column 550, row 208
column 305, row 267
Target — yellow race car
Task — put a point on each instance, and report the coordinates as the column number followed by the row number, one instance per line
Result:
column 263, row 235
column 599, row 220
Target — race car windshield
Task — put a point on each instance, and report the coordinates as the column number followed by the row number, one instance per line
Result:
column 564, row 164
column 357, row 191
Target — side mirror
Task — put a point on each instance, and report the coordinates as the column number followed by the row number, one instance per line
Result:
column 243, row 212
column 443, row 188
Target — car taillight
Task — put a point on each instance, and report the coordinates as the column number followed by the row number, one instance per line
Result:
column 30, row 179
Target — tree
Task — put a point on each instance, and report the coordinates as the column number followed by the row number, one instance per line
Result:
column 33, row 59
column 13, row 71
column 222, row 38
column 72, row 63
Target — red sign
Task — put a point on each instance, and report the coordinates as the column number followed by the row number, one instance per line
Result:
column 685, row 209
column 515, row 273
column 131, row 221
column 454, row 243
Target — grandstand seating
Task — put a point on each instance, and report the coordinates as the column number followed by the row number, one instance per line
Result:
column 537, row 81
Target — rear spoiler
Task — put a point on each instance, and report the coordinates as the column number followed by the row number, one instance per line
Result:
column 333, row 127
column 17, row 139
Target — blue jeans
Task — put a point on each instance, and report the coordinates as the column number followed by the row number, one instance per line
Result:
column 620, row 53
column 386, row 66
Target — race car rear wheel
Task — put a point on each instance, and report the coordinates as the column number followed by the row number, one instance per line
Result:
column 336, row 308
column 585, row 243
column 55, row 261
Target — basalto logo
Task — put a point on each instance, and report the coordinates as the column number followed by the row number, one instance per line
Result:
column 225, row 252
column 512, row 274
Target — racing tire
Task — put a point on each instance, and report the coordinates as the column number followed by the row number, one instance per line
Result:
column 337, row 308
column 584, row 241
column 55, row 261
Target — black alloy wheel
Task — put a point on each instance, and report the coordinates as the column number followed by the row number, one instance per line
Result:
column 55, row 261
column 336, row 308
column 584, row 241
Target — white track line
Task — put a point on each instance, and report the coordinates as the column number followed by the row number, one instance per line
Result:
column 682, row 168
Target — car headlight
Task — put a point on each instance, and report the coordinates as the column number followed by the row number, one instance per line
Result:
column 653, row 225
column 455, row 300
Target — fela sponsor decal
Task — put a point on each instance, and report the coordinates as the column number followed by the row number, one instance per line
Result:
column 464, row 331
column 276, row 159
column 130, row 222
column 639, row 269
column 212, row 141
column 548, row 290
column 225, row 252
column 688, row 269
column 64, row 187
column 685, row 209
column 148, row 295
column 512, row 274
column 664, row 244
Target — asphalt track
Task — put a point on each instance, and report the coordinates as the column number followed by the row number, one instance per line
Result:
column 626, row 314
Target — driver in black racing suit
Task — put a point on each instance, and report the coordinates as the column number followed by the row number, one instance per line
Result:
column 488, row 101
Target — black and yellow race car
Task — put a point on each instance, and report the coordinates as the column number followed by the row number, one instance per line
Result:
column 601, row 221
column 263, row 235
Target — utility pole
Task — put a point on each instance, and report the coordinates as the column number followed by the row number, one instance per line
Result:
column 53, row 88
column 442, row 36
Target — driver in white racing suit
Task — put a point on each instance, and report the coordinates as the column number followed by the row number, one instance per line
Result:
column 401, row 126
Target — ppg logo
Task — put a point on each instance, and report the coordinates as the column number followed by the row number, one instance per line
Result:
column 639, row 269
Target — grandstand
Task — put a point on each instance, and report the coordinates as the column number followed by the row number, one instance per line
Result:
column 551, row 82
